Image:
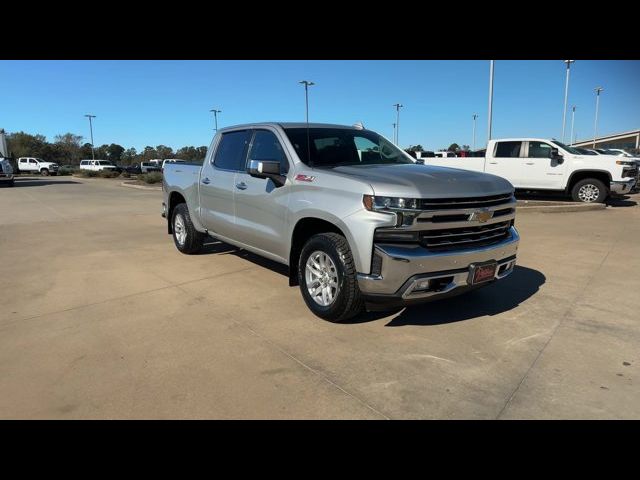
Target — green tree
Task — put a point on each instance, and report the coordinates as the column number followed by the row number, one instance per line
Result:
column 415, row 148
column 454, row 147
column 85, row 151
column 21, row 144
column 67, row 148
column 164, row 152
column 114, row 153
column 149, row 153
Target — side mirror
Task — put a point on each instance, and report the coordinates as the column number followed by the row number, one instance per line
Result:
column 420, row 161
column 266, row 169
column 555, row 155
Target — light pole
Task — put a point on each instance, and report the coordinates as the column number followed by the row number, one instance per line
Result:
column 93, row 153
column 306, row 84
column 398, row 107
column 475, row 115
column 572, row 139
column 215, row 116
column 490, row 100
column 595, row 123
column 394, row 132
column 566, row 97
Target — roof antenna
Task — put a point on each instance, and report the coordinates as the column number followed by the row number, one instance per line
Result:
column 307, row 84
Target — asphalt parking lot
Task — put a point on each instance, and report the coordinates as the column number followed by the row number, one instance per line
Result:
column 103, row 318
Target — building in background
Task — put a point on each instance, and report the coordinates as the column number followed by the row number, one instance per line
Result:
column 626, row 141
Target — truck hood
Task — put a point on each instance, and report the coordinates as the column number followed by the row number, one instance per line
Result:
column 424, row 181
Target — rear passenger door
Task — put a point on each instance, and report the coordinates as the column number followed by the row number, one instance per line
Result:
column 217, row 182
column 506, row 162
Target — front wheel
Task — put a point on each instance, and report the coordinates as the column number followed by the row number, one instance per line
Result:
column 589, row 190
column 328, row 280
column 187, row 239
column 44, row 172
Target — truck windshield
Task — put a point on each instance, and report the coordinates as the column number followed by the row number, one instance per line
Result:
column 569, row 149
column 333, row 147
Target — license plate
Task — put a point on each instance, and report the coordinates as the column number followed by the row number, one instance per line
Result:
column 483, row 272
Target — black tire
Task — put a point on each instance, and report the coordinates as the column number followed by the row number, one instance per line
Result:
column 194, row 239
column 12, row 183
column 44, row 172
column 589, row 190
column 348, row 300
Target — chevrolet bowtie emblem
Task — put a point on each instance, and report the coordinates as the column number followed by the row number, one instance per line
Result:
column 481, row 215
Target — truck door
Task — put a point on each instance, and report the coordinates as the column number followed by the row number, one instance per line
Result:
column 539, row 169
column 506, row 161
column 260, row 205
column 217, row 182
column 33, row 165
column 23, row 165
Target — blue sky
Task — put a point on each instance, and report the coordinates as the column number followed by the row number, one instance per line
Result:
column 141, row 103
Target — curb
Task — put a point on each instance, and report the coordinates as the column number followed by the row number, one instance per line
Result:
column 580, row 207
column 140, row 187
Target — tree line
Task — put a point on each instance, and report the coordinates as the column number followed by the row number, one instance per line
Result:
column 69, row 149
column 454, row 147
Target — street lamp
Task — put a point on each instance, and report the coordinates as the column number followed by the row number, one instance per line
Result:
column 394, row 132
column 573, row 116
column 490, row 100
column 475, row 115
column 398, row 107
column 93, row 153
column 215, row 116
column 566, row 97
column 595, row 123
column 306, row 84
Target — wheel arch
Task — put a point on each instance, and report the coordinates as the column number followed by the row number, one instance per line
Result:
column 602, row 175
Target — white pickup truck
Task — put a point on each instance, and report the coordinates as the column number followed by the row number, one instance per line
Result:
column 542, row 164
column 37, row 165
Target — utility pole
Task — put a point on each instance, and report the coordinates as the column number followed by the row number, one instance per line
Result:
column 398, row 107
column 93, row 153
column 595, row 123
column 215, row 117
column 566, row 97
column 475, row 115
column 490, row 100
column 394, row 133
column 573, row 116
column 306, row 84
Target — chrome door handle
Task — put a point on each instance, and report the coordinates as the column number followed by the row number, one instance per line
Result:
column 241, row 186
column 493, row 163
column 206, row 181
column 529, row 163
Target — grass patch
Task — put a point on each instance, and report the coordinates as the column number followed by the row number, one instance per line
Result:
column 150, row 178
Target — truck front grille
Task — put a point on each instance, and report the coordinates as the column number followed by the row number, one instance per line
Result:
column 469, row 202
column 464, row 237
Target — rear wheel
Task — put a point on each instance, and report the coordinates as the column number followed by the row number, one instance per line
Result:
column 589, row 190
column 187, row 239
column 328, row 280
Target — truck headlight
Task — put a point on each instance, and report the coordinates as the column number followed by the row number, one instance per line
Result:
column 374, row 203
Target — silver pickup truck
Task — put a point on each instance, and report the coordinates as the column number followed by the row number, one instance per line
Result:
column 358, row 223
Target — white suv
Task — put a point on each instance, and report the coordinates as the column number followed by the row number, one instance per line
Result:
column 97, row 165
column 33, row 165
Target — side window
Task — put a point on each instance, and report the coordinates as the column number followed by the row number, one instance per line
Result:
column 539, row 150
column 23, row 160
column 265, row 146
column 231, row 151
column 508, row 149
column 32, row 161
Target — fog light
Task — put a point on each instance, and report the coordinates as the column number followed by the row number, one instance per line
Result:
column 422, row 285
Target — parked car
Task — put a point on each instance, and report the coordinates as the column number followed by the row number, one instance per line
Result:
column 542, row 164
column 97, row 165
column 37, row 165
column 6, row 172
column 146, row 167
column 132, row 169
column 358, row 223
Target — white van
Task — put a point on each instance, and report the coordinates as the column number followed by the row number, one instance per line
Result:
column 96, row 165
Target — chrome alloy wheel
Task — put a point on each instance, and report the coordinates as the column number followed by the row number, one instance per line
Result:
column 588, row 193
column 322, row 278
column 180, row 229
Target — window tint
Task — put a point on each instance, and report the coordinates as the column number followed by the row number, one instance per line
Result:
column 23, row 160
column 508, row 149
column 539, row 150
column 230, row 154
column 265, row 146
column 32, row 161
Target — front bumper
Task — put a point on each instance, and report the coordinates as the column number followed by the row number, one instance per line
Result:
column 622, row 187
column 405, row 268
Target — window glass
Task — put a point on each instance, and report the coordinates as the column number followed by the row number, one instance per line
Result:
column 508, row 149
column 32, row 161
column 539, row 150
column 265, row 146
column 230, row 154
